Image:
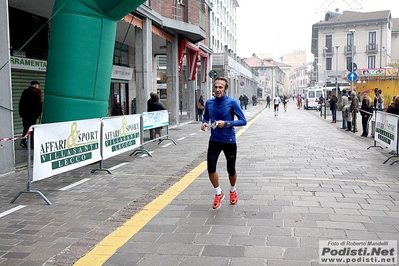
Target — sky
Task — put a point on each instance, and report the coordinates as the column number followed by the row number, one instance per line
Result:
column 282, row 26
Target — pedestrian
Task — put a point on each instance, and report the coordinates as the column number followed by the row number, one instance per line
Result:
column 151, row 108
column 343, row 103
column 241, row 99
column 333, row 107
column 347, row 114
column 366, row 111
column 158, row 106
column 200, row 107
column 380, row 101
column 268, row 101
column 219, row 118
column 321, row 102
column 394, row 107
column 246, row 100
column 375, row 98
column 285, row 102
column 298, row 98
column 354, row 110
column 276, row 103
column 30, row 109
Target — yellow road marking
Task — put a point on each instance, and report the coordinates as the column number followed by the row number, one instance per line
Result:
column 111, row 243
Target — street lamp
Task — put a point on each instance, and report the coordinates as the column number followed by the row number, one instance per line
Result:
column 352, row 31
column 317, row 71
column 336, row 70
column 325, row 49
column 272, row 78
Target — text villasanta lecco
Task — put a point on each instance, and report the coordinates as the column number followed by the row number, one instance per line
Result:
column 122, row 138
column 77, row 147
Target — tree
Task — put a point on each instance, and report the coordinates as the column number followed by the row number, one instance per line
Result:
column 394, row 64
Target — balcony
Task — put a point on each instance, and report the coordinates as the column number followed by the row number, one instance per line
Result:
column 328, row 52
column 371, row 48
column 348, row 50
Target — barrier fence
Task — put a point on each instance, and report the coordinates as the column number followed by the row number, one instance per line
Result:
column 153, row 121
column 61, row 147
column 386, row 131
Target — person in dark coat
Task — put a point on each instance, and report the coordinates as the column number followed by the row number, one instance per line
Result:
column 30, row 109
column 200, row 111
column 158, row 106
column 366, row 111
column 394, row 107
column 268, row 101
column 333, row 107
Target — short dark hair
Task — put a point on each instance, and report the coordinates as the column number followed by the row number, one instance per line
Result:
column 224, row 79
column 34, row 83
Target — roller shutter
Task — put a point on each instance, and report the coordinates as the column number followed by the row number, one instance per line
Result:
column 20, row 80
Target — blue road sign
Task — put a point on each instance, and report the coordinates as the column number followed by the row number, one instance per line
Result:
column 352, row 76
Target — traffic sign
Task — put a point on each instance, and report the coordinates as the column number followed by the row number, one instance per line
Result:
column 352, row 76
column 349, row 66
column 213, row 74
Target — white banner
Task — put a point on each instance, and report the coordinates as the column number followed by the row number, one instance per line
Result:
column 155, row 119
column 61, row 147
column 120, row 134
column 386, row 129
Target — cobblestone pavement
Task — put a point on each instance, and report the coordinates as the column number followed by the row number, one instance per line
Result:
column 301, row 179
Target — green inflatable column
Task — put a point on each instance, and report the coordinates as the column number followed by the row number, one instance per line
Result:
column 79, row 65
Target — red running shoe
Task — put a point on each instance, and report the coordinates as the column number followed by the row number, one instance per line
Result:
column 217, row 201
column 233, row 197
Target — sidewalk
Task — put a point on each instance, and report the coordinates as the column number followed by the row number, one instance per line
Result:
column 300, row 180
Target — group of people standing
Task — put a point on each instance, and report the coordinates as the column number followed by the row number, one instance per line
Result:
column 353, row 104
column 243, row 101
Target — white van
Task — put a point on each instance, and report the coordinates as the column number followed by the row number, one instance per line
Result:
column 312, row 97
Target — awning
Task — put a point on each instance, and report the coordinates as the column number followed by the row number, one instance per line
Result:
column 193, row 57
column 134, row 20
column 204, row 65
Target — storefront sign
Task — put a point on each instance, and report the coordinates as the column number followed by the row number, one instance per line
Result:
column 28, row 64
column 124, row 73
column 162, row 86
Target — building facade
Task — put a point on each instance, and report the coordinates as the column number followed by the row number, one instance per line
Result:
column 366, row 39
column 272, row 75
column 162, row 46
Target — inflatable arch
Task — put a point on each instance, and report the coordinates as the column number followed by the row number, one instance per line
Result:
column 82, row 40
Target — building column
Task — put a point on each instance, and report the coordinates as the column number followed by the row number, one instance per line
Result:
column 172, row 73
column 7, row 147
column 143, row 44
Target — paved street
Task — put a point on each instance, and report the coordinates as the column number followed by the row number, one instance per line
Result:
column 301, row 179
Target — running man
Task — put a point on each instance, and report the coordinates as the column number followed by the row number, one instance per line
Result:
column 276, row 103
column 219, row 118
column 285, row 102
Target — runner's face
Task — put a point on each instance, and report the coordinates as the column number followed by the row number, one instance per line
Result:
column 219, row 88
